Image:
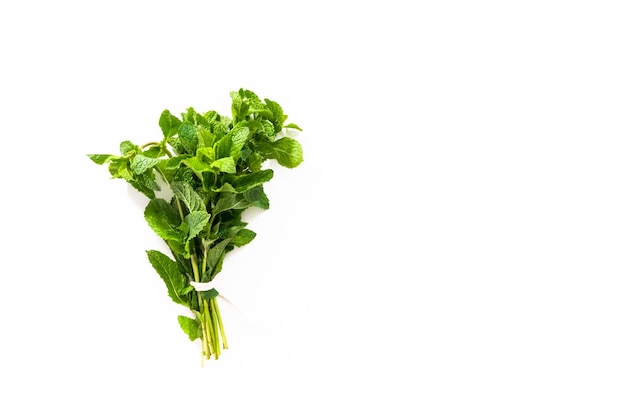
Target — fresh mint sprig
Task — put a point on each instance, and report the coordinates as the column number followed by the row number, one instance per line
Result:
column 213, row 166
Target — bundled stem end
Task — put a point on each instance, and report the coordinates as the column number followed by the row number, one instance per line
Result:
column 213, row 335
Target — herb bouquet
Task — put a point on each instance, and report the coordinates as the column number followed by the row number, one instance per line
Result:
column 200, row 178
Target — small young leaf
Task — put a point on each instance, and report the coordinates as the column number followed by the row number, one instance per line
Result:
column 174, row 280
column 100, row 158
column 169, row 124
column 194, row 118
column 206, row 154
column 259, row 110
column 268, row 130
column 243, row 237
column 119, row 168
column 128, row 147
column 288, row 152
column 292, row 126
column 278, row 117
column 225, row 165
column 205, row 137
column 238, row 138
column 191, row 327
column 154, row 151
column 238, row 108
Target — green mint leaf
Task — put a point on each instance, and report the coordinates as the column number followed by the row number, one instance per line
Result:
column 246, row 182
column 174, row 162
column 260, row 127
column 212, row 117
column 191, row 327
column 206, row 138
column 239, row 108
column 221, row 126
column 163, row 219
column 257, row 197
column 257, row 107
column 216, row 256
column 184, row 173
column 230, row 201
column 223, row 146
column 127, row 147
column 195, row 223
column 243, row 237
column 120, row 168
column 226, row 188
column 141, row 163
column 206, row 154
column 169, row 124
column 229, row 229
column 207, row 295
column 249, row 96
column 178, row 145
column 268, row 130
column 194, row 118
column 197, row 165
column 255, row 161
column 168, row 270
column 225, row 165
column 100, row 158
column 145, row 184
column 154, row 151
column 186, row 194
column 278, row 117
column 288, row 152
column 188, row 137
column 238, row 138
column 292, row 126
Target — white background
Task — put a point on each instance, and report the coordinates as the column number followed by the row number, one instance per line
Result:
column 452, row 245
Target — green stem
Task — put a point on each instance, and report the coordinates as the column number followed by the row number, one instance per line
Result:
column 214, row 326
column 194, row 267
column 209, row 330
column 220, row 324
column 206, row 352
column 163, row 147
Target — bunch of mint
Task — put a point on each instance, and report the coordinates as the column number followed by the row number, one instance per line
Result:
column 212, row 166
